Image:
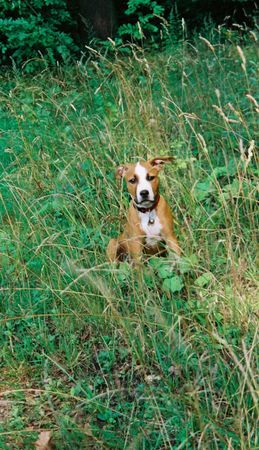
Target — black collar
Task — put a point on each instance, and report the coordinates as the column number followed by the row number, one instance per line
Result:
column 144, row 210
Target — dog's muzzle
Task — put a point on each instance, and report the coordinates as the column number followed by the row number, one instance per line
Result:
column 146, row 205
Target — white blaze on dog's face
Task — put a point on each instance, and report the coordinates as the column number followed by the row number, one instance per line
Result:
column 144, row 191
column 142, row 179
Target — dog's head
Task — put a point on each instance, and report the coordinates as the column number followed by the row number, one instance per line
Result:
column 142, row 179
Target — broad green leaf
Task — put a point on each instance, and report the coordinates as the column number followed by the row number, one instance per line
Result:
column 233, row 188
column 203, row 190
column 204, row 279
column 174, row 284
column 165, row 271
column 188, row 263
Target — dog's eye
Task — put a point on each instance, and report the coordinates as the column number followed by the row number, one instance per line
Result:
column 133, row 180
column 150, row 177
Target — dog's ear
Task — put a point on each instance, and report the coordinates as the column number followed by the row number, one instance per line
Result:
column 120, row 172
column 159, row 162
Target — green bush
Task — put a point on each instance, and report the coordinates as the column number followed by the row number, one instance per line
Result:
column 36, row 31
column 156, row 22
column 146, row 13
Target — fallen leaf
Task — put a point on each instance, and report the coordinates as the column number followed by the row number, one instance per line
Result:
column 43, row 441
column 150, row 378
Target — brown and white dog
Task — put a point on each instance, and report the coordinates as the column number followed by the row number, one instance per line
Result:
column 149, row 220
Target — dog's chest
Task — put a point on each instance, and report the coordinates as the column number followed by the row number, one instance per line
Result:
column 151, row 230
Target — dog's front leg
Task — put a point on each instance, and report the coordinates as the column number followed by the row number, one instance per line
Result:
column 112, row 250
column 172, row 243
column 134, row 249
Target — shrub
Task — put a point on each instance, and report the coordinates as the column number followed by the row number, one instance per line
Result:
column 145, row 14
column 38, row 30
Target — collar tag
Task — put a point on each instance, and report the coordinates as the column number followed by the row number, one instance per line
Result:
column 152, row 217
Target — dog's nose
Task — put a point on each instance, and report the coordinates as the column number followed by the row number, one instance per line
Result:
column 144, row 193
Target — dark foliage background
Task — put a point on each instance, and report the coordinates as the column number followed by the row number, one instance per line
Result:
column 57, row 30
column 36, row 29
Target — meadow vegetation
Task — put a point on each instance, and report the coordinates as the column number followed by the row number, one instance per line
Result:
column 102, row 356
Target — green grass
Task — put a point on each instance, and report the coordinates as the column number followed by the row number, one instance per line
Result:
column 101, row 355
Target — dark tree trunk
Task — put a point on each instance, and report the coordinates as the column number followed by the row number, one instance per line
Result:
column 97, row 16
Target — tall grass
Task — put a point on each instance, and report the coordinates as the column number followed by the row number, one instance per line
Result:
column 101, row 355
